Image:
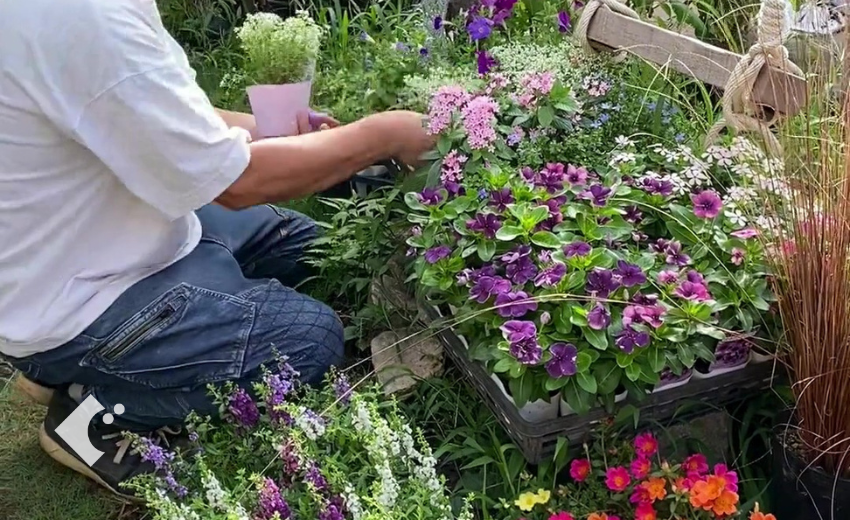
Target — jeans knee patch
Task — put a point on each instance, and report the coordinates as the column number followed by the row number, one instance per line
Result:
column 187, row 338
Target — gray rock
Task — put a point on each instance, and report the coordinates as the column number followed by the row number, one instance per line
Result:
column 401, row 358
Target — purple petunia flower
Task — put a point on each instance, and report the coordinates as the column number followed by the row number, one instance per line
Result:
column 551, row 178
column 430, row 196
column 659, row 246
column 633, row 215
column 551, row 276
column 271, row 502
column 563, row 361
column 651, row 315
column 737, row 256
column 501, row 199
column 598, row 318
column 667, row 277
column 675, row 255
column 527, row 173
column 692, row 291
column 488, row 286
column 484, row 61
column 577, row 249
column 514, row 304
column 564, row 22
column 645, row 299
column 518, row 330
column 601, row 283
column 598, row 194
column 707, row 204
column 661, row 187
column 485, row 223
column 745, row 233
column 516, row 254
column 576, row 176
column 332, row 512
column 630, row 338
column 438, row 23
column 695, row 277
column 243, row 409
column 521, row 271
column 629, row 274
column 527, row 351
column 479, row 28
column 435, row 254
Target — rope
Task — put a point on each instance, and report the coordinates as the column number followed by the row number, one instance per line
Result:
column 739, row 110
column 587, row 15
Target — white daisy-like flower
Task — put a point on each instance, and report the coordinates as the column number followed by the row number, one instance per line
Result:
column 623, row 141
column 736, row 217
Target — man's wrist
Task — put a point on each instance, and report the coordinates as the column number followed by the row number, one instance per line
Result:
column 382, row 133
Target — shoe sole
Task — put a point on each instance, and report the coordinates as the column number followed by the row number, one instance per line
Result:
column 60, row 455
column 34, row 391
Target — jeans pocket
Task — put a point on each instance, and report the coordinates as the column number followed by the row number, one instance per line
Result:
column 187, row 338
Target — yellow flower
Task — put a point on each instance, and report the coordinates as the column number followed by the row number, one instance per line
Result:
column 526, row 501
column 543, row 496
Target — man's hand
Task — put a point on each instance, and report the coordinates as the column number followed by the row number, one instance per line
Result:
column 309, row 121
column 409, row 133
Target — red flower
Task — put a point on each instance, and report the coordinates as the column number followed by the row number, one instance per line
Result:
column 695, row 465
column 645, row 512
column 617, row 479
column 580, row 469
column 646, row 445
column 640, row 468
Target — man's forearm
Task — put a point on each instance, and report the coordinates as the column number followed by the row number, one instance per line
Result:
column 288, row 168
column 239, row 119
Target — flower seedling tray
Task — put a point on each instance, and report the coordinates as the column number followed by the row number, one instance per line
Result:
column 537, row 440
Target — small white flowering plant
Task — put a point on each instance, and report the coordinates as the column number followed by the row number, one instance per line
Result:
column 278, row 51
column 290, row 452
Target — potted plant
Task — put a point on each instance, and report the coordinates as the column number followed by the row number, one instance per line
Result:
column 810, row 255
column 586, row 283
column 278, row 67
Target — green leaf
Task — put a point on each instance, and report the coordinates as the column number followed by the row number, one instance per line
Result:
column 412, row 201
column 607, row 375
column 633, row 372
column 587, row 382
column 503, row 365
column 486, row 250
column 686, row 355
column 521, row 389
column 597, row 338
column 712, row 332
column 561, row 453
column 655, row 356
column 563, row 323
column 444, row 145
column 744, row 318
column 586, row 358
column 546, row 239
column 545, row 115
column 624, row 360
column 480, row 461
column 553, row 384
column 578, row 399
column 508, row 233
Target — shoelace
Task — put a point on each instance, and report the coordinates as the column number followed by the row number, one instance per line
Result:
column 124, row 444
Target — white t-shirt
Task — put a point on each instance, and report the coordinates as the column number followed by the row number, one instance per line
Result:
column 107, row 146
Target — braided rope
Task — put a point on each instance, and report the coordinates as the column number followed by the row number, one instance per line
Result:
column 739, row 109
column 587, row 15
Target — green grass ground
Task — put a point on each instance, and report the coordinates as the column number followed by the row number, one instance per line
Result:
column 32, row 485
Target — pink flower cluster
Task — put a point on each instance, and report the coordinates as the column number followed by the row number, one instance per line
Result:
column 452, row 169
column 596, row 87
column 479, row 118
column 534, row 86
column 445, row 101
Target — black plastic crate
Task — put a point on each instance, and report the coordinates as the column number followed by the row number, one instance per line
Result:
column 537, row 440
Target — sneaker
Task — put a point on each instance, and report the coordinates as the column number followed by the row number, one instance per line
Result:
column 34, row 391
column 119, row 463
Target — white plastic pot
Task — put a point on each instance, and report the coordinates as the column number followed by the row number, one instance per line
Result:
column 756, row 357
column 714, row 372
column 536, row 411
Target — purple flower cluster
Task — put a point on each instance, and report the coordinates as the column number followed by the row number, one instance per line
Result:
column 314, row 478
column 731, row 353
column 522, row 339
column 279, row 386
column 161, row 460
column 693, row 288
column 485, row 223
column 435, row 254
column 654, row 186
column 270, row 502
column 290, row 458
column 342, row 389
column 243, row 410
column 601, row 283
column 629, row 338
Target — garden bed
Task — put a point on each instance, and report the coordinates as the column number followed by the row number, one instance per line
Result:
column 538, row 440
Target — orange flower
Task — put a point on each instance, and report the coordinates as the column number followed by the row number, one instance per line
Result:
column 656, row 488
column 758, row 515
column 597, row 516
column 725, row 504
column 706, row 491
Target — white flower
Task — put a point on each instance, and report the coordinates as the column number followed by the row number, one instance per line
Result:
column 352, row 502
column 623, row 158
column 389, row 485
column 736, row 217
column 215, row 495
column 623, row 141
column 362, row 419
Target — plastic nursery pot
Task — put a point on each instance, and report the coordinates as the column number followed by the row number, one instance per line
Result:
column 567, row 410
column 802, row 491
column 760, row 357
column 730, row 355
column 669, row 380
column 536, row 411
column 276, row 107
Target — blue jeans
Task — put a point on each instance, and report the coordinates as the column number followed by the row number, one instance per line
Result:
column 217, row 315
